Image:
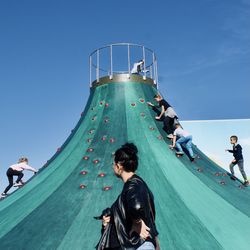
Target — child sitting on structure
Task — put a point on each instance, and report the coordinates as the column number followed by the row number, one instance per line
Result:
column 183, row 137
column 167, row 114
column 17, row 170
column 137, row 67
column 238, row 159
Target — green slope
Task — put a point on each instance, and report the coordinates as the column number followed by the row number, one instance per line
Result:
column 194, row 210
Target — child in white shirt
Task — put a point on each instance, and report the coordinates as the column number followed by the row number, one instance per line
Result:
column 17, row 170
column 184, row 137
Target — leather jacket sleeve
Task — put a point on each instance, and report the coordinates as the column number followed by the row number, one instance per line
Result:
column 135, row 202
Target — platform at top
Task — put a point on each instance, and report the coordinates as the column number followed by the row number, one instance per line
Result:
column 122, row 78
column 114, row 63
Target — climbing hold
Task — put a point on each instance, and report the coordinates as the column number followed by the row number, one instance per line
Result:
column 133, row 104
column 217, row 174
column 101, row 175
column 142, row 114
column 224, row 174
column 89, row 139
column 106, row 188
column 85, row 158
column 199, row 169
column 151, row 128
column 112, row 140
column 104, row 138
column 106, row 120
column 93, row 118
column 222, row 182
column 142, row 100
column 106, row 105
column 91, row 131
column 101, row 103
column 58, row 150
column 198, row 157
column 83, row 172
column 159, row 137
column 241, row 186
column 90, row 150
column 82, row 186
column 95, row 161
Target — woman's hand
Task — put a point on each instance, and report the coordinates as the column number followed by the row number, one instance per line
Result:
column 141, row 229
column 157, row 117
column 105, row 220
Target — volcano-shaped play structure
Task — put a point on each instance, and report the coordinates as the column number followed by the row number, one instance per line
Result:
column 198, row 206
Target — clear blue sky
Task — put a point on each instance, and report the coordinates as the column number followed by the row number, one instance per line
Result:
column 203, row 49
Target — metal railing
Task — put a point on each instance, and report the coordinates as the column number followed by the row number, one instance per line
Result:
column 118, row 58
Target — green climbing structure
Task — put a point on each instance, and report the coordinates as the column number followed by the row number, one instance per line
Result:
column 197, row 205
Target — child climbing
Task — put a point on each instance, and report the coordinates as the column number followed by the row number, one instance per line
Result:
column 167, row 114
column 137, row 67
column 17, row 170
column 184, row 137
column 238, row 159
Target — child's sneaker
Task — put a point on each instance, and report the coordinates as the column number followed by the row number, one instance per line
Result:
column 232, row 177
column 246, row 183
column 17, row 184
column 192, row 159
column 3, row 195
column 180, row 153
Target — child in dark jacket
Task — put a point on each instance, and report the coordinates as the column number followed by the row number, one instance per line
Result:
column 238, row 159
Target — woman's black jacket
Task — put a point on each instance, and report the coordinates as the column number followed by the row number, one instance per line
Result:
column 134, row 203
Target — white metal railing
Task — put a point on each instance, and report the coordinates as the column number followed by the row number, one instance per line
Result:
column 102, row 61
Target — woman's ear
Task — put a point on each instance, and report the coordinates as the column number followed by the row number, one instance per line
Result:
column 120, row 168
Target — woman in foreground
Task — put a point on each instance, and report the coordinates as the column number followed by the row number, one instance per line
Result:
column 130, row 223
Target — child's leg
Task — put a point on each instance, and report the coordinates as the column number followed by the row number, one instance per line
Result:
column 231, row 166
column 10, row 179
column 241, row 167
column 166, row 125
column 178, row 144
column 189, row 146
column 20, row 176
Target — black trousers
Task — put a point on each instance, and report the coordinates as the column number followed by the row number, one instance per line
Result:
column 168, row 124
column 10, row 174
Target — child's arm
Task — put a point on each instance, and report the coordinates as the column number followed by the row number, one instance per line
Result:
column 161, row 114
column 174, row 141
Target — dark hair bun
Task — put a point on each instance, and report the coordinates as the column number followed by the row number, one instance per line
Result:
column 127, row 157
column 130, row 148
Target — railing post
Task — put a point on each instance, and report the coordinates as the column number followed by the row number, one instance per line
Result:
column 90, row 71
column 144, row 59
column 129, row 73
column 111, row 62
column 97, row 66
column 154, row 68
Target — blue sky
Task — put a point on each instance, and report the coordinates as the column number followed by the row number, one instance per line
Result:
column 203, row 50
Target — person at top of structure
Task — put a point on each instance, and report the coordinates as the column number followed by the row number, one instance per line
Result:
column 182, row 136
column 130, row 222
column 137, row 67
column 17, row 170
column 167, row 114
column 238, row 159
